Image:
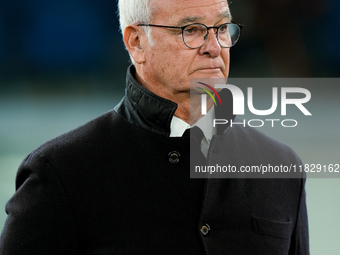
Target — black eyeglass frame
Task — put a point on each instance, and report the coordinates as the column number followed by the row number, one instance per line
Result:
column 205, row 37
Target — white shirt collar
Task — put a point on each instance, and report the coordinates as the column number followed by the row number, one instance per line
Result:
column 178, row 126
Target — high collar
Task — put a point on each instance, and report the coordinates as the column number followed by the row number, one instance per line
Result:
column 145, row 109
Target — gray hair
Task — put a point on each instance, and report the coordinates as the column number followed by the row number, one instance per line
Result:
column 135, row 11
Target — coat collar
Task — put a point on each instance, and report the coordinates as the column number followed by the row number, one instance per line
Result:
column 145, row 109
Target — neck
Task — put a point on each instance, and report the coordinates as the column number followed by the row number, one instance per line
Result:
column 188, row 105
column 190, row 110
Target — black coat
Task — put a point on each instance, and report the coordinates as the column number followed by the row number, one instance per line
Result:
column 108, row 187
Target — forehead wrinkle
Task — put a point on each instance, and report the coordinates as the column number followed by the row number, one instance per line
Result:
column 196, row 19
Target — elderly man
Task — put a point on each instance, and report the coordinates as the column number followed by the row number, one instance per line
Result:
column 120, row 184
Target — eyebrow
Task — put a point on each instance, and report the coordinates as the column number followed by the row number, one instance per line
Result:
column 187, row 20
column 227, row 14
column 194, row 19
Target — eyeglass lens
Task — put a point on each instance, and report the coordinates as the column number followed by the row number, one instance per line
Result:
column 195, row 35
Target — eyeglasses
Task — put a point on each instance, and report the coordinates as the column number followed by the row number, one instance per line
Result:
column 194, row 35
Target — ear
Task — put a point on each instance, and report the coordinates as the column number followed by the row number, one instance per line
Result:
column 133, row 42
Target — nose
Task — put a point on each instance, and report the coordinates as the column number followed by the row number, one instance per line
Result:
column 211, row 45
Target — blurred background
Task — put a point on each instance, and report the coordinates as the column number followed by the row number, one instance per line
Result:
column 63, row 63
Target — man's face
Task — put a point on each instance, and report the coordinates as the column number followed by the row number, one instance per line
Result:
column 169, row 63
